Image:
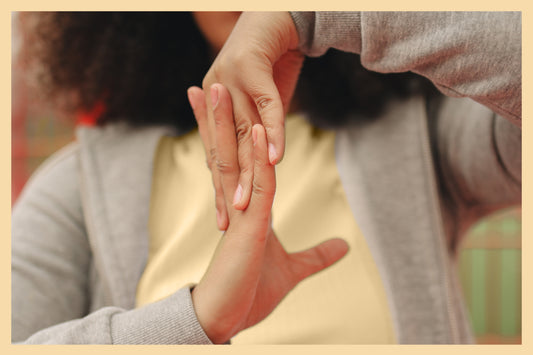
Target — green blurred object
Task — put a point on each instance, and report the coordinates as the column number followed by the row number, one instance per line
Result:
column 491, row 275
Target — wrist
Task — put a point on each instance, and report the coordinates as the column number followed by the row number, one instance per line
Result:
column 211, row 328
column 290, row 31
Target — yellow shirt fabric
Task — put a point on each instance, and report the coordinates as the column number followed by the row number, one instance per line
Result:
column 344, row 304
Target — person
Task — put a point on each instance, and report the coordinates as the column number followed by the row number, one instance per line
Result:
column 400, row 188
column 72, row 265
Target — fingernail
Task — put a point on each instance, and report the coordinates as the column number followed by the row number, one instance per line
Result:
column 214, row 96
column 189, row 95
column 272, row 155
column 254, row 136
column 238, row 195
column 219, row 219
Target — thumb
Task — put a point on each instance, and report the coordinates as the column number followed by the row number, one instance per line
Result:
column 310, row 261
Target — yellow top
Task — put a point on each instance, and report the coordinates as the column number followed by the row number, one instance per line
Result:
column 343, row 304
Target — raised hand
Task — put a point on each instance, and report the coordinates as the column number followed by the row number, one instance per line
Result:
column 250, row 272
column 259, row 65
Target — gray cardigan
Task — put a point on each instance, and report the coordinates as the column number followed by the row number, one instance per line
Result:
column 415, row 179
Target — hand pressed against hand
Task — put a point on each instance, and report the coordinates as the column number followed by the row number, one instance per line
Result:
column 259, row 65
column 250, row 272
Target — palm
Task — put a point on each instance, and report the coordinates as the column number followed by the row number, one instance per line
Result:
column 281, row 272
column 275, row 281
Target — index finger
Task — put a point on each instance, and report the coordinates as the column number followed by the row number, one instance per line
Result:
column 270, row 108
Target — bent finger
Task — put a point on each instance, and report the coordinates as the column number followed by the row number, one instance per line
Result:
column 270, row 108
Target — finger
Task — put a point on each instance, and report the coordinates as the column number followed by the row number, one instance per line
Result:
column 220, row 203
column 226, row 146
column 197, row 100
column 245, row 118
column 308, row 262
column 198, row 104
column 268, row 103
column 264, row 183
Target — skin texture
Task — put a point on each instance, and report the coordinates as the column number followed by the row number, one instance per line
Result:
column 216, row 27
column 269, row 55
column 250, row 272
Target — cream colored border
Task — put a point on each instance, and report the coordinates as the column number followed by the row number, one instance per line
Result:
column 5, row 177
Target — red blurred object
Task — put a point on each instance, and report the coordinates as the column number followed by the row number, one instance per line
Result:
column 90, row 118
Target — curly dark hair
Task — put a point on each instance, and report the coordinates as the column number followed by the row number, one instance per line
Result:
column 140, row 64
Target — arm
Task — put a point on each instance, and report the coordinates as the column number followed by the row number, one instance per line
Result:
column 465, row 54
column 250, row 272
column 475, row 55
column 51, row 288
column 478, row 161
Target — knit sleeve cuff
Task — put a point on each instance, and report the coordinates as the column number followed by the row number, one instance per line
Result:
column 319, row 31
column 169, row 321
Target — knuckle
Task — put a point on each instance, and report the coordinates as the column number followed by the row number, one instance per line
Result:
column 219, row 196
column 212, row 156
column 243, row 130
column 247, row 171
column 239, row 58
column 262, row 191
column 220, row 66
column 264, row 103
column 224, row 166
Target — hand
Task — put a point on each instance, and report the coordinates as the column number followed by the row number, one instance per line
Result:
column 259, row 65
column 250, row 272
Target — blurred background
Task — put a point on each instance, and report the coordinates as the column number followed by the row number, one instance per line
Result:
column 489, row 262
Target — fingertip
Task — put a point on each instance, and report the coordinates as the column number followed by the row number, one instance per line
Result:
column 222, row 221
column 338, row 247
column 276, row 144
column 237, row 197
column 241, row 203
column 194, row 90
column 190, row 96
column 196, row 100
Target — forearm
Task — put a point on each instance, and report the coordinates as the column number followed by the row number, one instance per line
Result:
column 52, row 282
column 476, row 55
column 478, row 160
column 169, row 321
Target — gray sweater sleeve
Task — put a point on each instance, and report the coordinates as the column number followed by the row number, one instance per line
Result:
column 465, row 54
column 169, row 321
column 51, row 284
